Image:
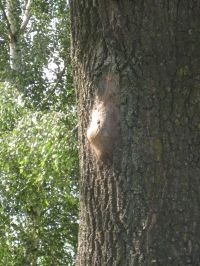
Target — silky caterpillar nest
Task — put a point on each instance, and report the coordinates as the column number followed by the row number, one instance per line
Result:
column 104, row 126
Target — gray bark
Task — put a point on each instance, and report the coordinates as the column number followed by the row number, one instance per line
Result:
column 136, row 66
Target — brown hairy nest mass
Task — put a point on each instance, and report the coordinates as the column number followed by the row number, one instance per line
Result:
column 104, row 126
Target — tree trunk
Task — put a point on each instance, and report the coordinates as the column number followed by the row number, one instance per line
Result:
column 16, row 23
column 137, row 77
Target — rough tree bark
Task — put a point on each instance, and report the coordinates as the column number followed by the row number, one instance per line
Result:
column 137, row 77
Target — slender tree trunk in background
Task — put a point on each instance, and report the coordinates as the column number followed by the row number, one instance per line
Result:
column 32, row 248
column 137, row 74
column 17, row 21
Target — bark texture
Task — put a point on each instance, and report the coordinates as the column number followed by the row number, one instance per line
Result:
column 137, row 77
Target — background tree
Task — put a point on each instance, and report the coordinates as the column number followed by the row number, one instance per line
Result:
column 42, row 48
column 38, row 154
column 136, row 67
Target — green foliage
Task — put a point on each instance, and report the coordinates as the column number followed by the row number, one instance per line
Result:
column 38, row 168
column 11, row 107
column 45, row 73
column 38, row 152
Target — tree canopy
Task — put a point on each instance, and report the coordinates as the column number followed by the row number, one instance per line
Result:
column 38, row 147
